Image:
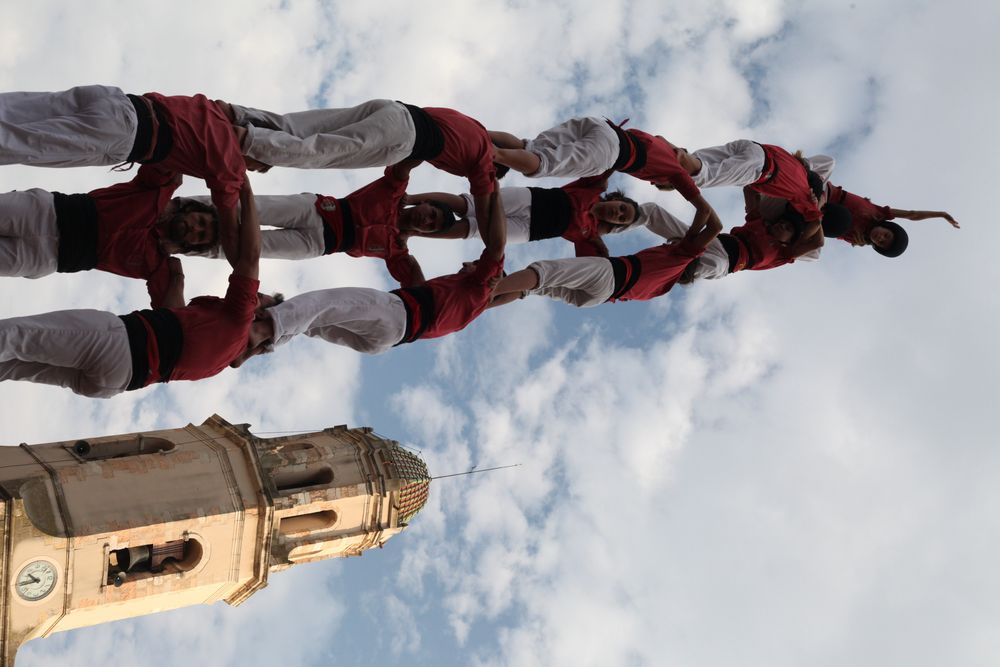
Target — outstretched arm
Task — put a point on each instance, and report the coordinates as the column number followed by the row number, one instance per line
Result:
column 249, row 235
column 923, row 215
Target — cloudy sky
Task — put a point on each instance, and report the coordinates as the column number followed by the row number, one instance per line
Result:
column 796, row 467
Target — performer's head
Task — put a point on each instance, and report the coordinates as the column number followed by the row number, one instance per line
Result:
column 787, row 228
column 260, row 337
column 192, row 226
column 888, row 238
column 836, row 220
column 616, row 209
column 427, row 217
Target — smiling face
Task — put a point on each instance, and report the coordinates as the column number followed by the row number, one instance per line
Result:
column 423, row 218
column 193, row 225
column 614, row 212
column 881, row 237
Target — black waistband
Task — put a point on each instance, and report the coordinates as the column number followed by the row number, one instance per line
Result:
column 732, row 246
column 626, row 271
column 624, row 146
column 416, row 322
column 633, row 150
column 331, row 243
column 169, row 340
column 428, row 141
column 144, row 131
column 76, row 219
column 551, row 213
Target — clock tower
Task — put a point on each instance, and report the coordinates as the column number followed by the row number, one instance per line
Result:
column 101, row 529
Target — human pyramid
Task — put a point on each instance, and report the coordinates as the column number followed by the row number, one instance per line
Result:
column 134, row 229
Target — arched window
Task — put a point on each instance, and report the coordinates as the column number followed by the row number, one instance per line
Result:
column 153, row 560
column 292, row 481
column 113, row 449
column 307, row 523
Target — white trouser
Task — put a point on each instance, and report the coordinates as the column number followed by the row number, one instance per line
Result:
column 29, row 237
column 516, row 203
column 713, row 263
column 84, row 350
column 579, row 281
column 363, row 319
column 579, row 147
column 376, row 133
column 299, row 233
column 79, row 127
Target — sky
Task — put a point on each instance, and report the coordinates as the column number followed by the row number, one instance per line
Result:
column 780, row 468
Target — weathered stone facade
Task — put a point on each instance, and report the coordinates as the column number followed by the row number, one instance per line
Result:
column 108, row 528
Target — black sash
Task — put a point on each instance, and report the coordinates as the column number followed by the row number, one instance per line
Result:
column 624, row 146
column 144, row 132
column 169, row 339
column 626, row 271
column 732, row 246
column 416, row 322
column 331, row 243
column 428, row 141
column 76, row 219
column 551, row 213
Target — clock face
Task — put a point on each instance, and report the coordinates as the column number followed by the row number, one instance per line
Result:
column 36, row 580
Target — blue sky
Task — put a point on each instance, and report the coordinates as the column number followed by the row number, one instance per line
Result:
column 796, row 467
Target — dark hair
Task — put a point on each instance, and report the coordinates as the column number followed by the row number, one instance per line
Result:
column 687, row 276
column 185, row 206
column 618, row 195
column 501, row 169
column 448, row 217
column 816, row 183
column 836, row 220
column 793, row 217
column 900, row 239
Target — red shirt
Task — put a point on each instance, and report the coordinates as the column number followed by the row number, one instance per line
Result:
column 127, row 233
column 467, row 150
column 659, row 270
column 785, row 177
column 457, row 299
column 864, row 214
column 759, row 244
column 584, row 193
column 662, row 164
column 204, row 145
column 214, row 330
column 375, row 216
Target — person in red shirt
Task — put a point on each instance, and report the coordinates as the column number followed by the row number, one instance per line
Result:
column 579, row 212
column 101, row 125
column 372, row 321
column 129, row 229
column 590, row 281
column 782, row 175
column 100, row 354
column 762, row 243
column 872, row 224
column 374, row 133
